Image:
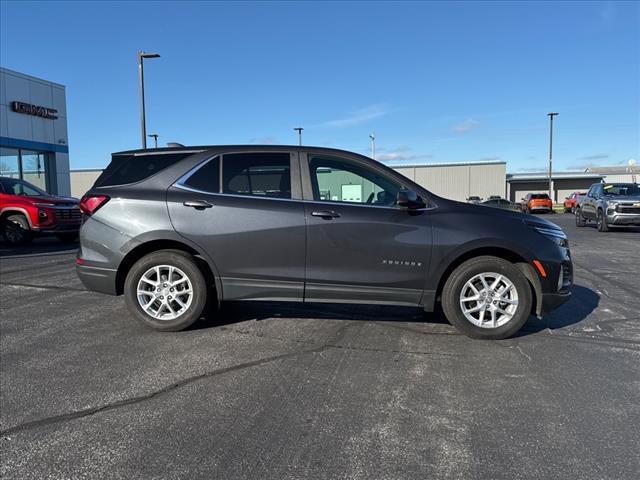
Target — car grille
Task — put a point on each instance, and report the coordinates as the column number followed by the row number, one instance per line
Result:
column 68, row 214
column 627, row 209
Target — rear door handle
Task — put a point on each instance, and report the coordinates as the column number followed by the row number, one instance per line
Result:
column 326, row 214
column 198, row 204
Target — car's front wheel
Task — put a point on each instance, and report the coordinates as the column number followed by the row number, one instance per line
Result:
column 16, row 230
column 601, row 221
column 166, row 290
column 487, row 297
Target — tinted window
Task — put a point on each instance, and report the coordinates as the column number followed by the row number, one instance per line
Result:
column 539, row 196
column 18, row 187
column 259, row 174
column 125, row 169
column 341, row 180
column 206, row 178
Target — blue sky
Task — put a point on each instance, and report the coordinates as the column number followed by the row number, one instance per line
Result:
column 437, row 82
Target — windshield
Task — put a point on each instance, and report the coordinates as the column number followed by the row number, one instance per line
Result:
column 12, row 186
column 621, row 189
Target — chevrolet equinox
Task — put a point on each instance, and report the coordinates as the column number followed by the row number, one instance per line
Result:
column 179, row 230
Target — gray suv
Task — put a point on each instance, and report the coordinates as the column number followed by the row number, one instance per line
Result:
column 179, row 230
column 610, row 204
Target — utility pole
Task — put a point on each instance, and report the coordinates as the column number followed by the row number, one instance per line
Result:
column 155, row 138
column 143, row 123
column 373, row 145
column 299, row 130
column 551, row 115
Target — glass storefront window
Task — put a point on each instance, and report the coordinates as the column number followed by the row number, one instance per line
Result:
column 27, row 165
column 9, row 162
column 33, row 168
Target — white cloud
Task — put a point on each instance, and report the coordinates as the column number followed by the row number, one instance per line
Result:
column 357, row 117
column 465, row 125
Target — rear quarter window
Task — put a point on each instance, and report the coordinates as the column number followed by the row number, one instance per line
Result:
column 126, row 169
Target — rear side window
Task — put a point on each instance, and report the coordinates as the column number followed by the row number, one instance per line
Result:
column 206, row 178
column 540, row 196
column 125, row 169
column 265, row 174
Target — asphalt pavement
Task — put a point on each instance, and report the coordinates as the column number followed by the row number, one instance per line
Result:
column 283, row 391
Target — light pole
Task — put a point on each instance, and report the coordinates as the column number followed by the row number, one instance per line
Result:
column 373, row 145
column 143, row 125
column 155, row 139
column 551, row 115
column 299, row 130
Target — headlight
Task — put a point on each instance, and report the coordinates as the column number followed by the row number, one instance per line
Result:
column 612, row 204
column 557, row 236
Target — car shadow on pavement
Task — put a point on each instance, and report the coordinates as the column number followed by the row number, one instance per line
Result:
column 581, row 304
column 583, row 301
column 237, row 312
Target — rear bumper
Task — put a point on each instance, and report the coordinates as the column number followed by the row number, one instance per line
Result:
column 551, row 301
column 98, row 279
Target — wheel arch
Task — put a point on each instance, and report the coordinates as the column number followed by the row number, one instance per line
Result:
column 151, row 246
column 505, row 253
column 6, row 211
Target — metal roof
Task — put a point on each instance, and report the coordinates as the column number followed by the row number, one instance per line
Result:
column 538, row 176
column 445, row 164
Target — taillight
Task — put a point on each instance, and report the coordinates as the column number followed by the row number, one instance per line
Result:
column 89, row 204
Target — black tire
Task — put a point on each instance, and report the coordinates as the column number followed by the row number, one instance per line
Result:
column 527, row 210
column 67, row 237
column 601, row 222
column 567, row 210
column 16, row 229
column 580, row 221
column 466, row 271
column 174, row 258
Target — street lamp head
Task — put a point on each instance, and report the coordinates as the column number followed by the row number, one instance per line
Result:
column 553, row 113
column 148, row 55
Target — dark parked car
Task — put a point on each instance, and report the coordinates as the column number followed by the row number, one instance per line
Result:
column 502, row 203
column 177, row 229
column 610, row 204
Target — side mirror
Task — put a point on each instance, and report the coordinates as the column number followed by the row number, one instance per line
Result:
column 409, row 199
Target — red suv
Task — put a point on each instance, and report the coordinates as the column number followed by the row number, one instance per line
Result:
column 26, row 210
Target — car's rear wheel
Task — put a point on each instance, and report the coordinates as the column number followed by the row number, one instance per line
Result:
column 580, row 221
column 16, row 229
column 601, row 221
column 166, row 290
column 487, row 297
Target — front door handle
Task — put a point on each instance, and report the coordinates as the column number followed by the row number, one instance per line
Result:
column 326, row 214
column 198, row 204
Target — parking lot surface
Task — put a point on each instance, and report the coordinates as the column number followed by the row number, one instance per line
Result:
column 319, row 391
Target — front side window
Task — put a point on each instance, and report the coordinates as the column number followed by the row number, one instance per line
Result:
column 336, row 179
column 265, row 174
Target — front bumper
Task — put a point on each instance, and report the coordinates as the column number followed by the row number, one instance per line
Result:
column 616, row 218
column 58, row 228
column 551, row 301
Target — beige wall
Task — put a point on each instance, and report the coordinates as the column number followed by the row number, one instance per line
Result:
column 459, row 182
column 82, row 180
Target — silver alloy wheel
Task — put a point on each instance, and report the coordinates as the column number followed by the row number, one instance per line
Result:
column 164, row 292
column 489, row 300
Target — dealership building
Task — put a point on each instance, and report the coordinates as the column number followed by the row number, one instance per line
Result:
column 33, row 131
